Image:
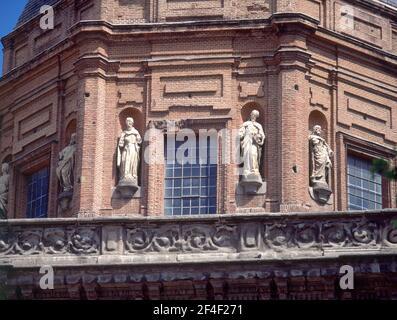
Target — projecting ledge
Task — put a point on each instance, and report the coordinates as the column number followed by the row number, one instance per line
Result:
column 201, row 239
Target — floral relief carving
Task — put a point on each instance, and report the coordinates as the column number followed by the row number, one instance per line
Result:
column 55, row 241
column 335, row 234
column 278, row 236
column 137, row 239
column 29, row 242
column 49, row 241
column 364, row 233
column 225, row 236
column 306, row 235
column 206, row 237
column 6, row 242
column 176, row 239
column 168, row 240
column 84, row 240
column 390, row 235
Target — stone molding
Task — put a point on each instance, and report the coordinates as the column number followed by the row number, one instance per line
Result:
column 202, row 239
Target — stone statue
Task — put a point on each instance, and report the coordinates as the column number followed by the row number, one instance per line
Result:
column 65, row 173
column 321, row 154
column 128, row 158
column 252, row 139
column 65, row 168
column 4, row 186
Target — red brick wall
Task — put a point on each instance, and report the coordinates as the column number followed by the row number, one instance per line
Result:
column 293, row 72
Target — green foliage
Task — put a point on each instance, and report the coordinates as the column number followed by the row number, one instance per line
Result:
column 384, row 168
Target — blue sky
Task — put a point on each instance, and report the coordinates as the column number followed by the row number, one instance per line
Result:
column 9, row 13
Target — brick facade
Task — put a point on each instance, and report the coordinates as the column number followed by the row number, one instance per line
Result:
column 292, row 62
column 299, row 62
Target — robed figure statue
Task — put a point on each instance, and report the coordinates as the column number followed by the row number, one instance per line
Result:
column 65, row 168
column 252, row 138
column 128, row 156
column 321, row 165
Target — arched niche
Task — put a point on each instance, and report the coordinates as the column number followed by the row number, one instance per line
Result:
column 136, row 115
column 248, row 108
column 318, row 118
column 139, row 124
column 245, row 116
column 70, row 129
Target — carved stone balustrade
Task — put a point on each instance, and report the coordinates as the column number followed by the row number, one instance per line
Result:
column 119, row 241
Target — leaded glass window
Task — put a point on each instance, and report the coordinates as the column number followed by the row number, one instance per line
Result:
column 38, row 185
column 191, row 187
column 364, row 186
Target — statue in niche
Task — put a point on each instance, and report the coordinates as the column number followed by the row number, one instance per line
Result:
column 65, row 172
column 65, row 168
column 4, row 186
column 321, row 165
column 252, row 139
column 128, row 159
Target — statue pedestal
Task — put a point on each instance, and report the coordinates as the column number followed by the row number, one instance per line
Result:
column 320, row 192
column 127, row 188
column 65, row 199
column 251, row 184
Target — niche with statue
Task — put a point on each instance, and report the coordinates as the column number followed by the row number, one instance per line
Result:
column 129, row 153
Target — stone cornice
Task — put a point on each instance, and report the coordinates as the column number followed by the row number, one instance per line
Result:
column 385, row 213
column 357, row 143
column 197, row 239
column 89, row 65
column 38, row 60
column 377, row 5
column 341, row 38
column 279, row 21
column 370, row 4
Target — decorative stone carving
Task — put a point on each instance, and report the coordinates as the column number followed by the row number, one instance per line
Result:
column 29, row 242
column 278, row 236
column 7, row 241
column 306, row 235
column 172, row 239
column 336, row 234
column 84, row 241
column 4, row 186
column 321, row 165
column 128, row 159
column 365, row 233
column 50, row 241
column 55, row 241
column 390, row 235
column 252, row 139
column 65, row 173
column 289, row 236
column 168, row 125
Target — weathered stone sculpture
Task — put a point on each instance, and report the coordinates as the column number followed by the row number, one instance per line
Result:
column 65, row 173
column 128, row 158
column 4, row 186
column 65, row 166
column 252, row 139
column 321, row 162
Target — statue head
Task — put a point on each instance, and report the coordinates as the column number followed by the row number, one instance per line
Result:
column 73, row 139
column 130, row 123
column 5, row 168
column 254, row 115
column 317, row 130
